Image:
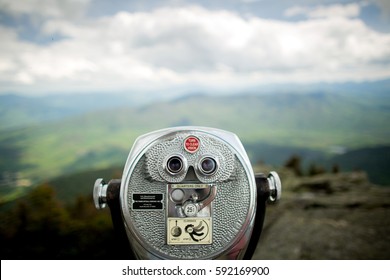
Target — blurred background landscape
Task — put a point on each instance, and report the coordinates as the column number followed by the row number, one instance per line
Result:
column 332, row 159
column 304, row 84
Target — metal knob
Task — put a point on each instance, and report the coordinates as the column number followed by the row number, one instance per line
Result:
column 100, row 193
column 275, row 186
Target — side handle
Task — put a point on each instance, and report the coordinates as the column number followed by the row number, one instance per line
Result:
column 268, row 189
column 108, row 194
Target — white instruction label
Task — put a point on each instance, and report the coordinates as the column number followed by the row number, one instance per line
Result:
column 189, row 231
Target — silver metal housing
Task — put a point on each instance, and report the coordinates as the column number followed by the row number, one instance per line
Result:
column 231, row 211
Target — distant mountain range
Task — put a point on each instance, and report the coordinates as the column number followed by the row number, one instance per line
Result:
column 45, row 137
column 20, row 111
column 23, row 110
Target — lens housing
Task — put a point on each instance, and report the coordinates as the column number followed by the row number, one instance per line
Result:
column 175, row 164
column 208, row 165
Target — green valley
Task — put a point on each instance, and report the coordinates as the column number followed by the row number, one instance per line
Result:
column 311, row 125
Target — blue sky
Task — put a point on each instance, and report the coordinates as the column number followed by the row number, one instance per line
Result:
column 68, row 46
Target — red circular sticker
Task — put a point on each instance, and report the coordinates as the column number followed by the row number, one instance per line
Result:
column 191, row 144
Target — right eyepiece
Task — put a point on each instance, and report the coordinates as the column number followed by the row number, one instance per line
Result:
column 208, row 165
column 175, row 164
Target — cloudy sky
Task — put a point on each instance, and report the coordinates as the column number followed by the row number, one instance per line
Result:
column 59, row 46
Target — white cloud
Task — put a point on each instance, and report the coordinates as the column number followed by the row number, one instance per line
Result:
column 192, row 46
column 335, row 10
column 47, row 8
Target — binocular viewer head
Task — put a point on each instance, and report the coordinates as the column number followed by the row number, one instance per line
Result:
column 189, row 193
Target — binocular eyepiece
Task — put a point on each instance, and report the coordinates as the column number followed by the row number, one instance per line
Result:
column 189, row 193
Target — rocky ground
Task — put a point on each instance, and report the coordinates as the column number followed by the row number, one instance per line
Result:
column 328, row 216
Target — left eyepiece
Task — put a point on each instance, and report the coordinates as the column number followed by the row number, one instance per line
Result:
column 175, row 164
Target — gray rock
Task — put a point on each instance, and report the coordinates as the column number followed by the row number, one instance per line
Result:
column 329, row 216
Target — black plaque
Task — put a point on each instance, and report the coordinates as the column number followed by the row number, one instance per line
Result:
column 147, row 201
column 147, row 196
column 147, row 205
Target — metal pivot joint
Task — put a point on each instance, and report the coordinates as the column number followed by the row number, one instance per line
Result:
column 275, row 187
column 106, row 193
column 270, row 187
column 100, row 193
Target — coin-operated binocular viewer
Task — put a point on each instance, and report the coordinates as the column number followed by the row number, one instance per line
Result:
column 189, row 193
